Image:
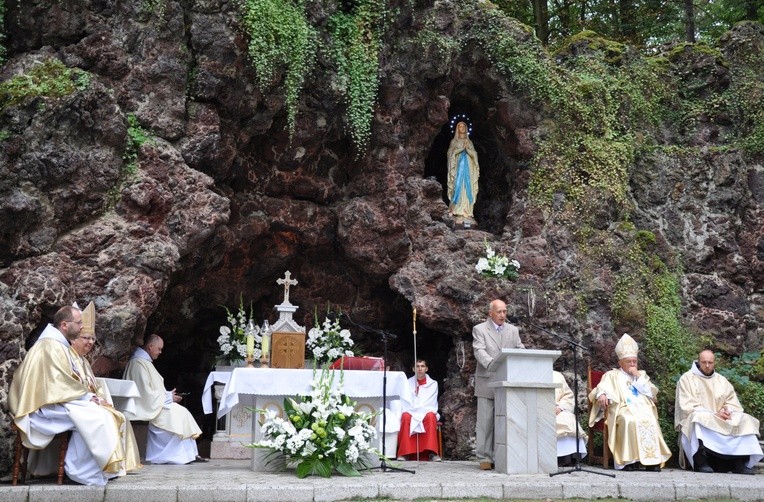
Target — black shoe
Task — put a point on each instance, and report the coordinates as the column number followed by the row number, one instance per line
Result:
column 744, row 470
column 630, row 467
column 704, row 468
column 653, row 468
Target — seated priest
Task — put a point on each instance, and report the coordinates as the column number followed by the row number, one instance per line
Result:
column 715, row 434
column 48, row 396
column 634, row 434
column 172, row 430
column 83, row 345
column 566, row 423
column 419, row 418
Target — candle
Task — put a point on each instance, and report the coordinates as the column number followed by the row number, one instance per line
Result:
column 266, row 344
column 250, row 344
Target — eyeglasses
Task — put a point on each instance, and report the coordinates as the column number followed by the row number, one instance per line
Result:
column 88, row 338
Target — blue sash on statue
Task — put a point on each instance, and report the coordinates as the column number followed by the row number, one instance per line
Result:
column 462, row 179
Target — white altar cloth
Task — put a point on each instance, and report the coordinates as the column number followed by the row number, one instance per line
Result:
column 212, row 378
column 287, row 382
column 120, row 393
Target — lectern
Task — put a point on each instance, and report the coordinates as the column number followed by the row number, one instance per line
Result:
column 524, row 435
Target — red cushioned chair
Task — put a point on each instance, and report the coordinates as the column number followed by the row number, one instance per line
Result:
column 600, row 427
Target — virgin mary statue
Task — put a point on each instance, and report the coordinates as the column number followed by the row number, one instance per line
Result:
column 463, row 172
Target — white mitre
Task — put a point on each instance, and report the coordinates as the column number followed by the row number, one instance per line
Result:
column 626, row 347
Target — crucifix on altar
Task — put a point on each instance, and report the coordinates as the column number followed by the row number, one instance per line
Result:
column 288, row 339
column 286, row 282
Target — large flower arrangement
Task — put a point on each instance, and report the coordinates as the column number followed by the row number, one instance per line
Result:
column 233, row 337
column 494, row 265
column 329, row 341
column 323, row 432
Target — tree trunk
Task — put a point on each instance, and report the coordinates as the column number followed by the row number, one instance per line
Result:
column 541, row 17
column 689, row 21
column 751, row 9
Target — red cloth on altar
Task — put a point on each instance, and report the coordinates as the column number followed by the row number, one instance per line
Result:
column 428, row 440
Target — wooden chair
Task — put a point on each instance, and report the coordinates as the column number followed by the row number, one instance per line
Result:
column 21, row 454
column 440, row 439
column 593, row 379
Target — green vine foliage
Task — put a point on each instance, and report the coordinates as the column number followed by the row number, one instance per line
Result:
column 356, row 48
column 746, row 373
column 48, row 79
column 669, row 348
column 2, row 32
column 280, row 36
column 600, row 105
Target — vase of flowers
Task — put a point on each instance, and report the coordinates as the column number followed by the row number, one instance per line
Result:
column 495, row 265
column 322, row 432
column 233, row 336
column 328, row 342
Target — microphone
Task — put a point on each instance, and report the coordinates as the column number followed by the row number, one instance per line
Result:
column 516, row 318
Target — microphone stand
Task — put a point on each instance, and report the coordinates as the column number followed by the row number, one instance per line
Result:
column 384, row 336
column 572, row 344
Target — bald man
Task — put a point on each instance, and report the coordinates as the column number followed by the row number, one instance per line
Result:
column 488, row 339
column 715, row 434
column 172, row 430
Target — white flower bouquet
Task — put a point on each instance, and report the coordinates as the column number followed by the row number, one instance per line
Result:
column 233, row 338
column 322, row 431
column 494, row 265
column 328, row 342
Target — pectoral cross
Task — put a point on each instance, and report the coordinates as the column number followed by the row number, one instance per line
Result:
column 287, row 281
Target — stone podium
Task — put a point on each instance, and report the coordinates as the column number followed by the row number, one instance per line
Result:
column 524, row 435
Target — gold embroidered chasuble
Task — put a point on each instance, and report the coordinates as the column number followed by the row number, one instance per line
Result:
column 633, row 427
column 49, row 375
column 128, row 442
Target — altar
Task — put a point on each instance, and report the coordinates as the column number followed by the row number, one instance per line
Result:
column 264, row 388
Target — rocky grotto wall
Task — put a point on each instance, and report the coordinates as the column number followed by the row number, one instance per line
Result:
column 165, row 185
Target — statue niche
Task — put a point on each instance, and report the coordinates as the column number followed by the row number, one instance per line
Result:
column 463, row 173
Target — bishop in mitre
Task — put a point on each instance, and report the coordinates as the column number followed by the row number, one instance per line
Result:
column 83, row 345
column 47, row 396
column 634, row 434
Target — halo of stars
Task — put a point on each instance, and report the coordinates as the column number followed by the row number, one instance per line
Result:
column 461, row 117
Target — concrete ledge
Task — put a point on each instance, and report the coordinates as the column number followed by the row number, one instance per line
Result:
column 409, row 490
column 160, row 492
column 64, row 493
column 234, row 481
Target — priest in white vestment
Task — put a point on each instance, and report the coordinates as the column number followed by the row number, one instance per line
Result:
column 566, row 423
column 634, row 433
column 48, row 397
column 172, row 430
column 418, row 433
column 715, row 434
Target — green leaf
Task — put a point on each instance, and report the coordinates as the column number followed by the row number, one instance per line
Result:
column 347, row 470
column 305, row 469
column 323, row 468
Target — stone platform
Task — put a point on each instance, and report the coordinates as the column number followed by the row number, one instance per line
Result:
column 233, row 481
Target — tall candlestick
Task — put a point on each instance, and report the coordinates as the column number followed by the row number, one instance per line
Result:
column 250, row 344
column 414, row 319
column 266, row 344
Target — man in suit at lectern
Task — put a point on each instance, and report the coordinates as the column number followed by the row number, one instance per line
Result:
column 488, row 339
